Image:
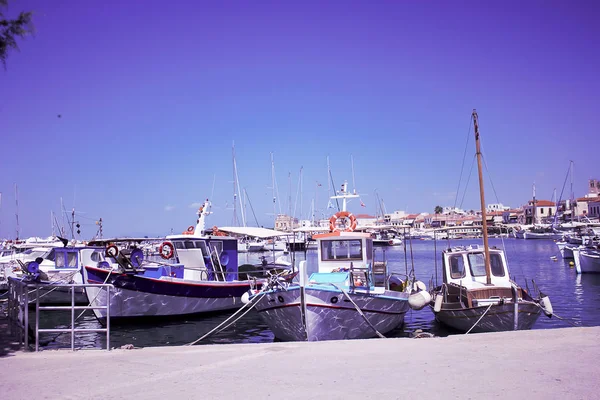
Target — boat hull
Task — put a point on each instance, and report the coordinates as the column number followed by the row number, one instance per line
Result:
column 138, row 296
column 589, row 262
column 499, row 318
column 330, row 315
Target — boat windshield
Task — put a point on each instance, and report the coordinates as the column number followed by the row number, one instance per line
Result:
column 477, row 264
column 338, row 250
column 457, row 266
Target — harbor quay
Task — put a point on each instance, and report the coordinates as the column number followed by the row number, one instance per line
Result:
column 536, row 364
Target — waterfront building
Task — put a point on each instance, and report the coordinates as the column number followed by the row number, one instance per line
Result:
column 543, row 209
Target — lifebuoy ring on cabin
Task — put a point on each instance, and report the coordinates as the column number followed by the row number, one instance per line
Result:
column 342, row 214
column 111, row 251
column 189, row 231
column 167, row 250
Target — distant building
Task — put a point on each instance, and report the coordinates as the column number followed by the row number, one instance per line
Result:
column 395, row 218
column 582, row 206
column 514, row 216
column 594, row 209
column 497, row 207
column 453, row 210
column 365, row 219
column 285, row 223
column 543, row 210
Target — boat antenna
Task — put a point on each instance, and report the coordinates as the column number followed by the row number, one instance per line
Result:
column 212, row 192
column 482, row 198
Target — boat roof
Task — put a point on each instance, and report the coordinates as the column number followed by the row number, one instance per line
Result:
column 253, row 231
column 312, row 229
column 344, row 234
column 102, row 242
column 470, row 249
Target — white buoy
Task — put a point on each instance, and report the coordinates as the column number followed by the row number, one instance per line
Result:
column 439, row 298
column 418, row 285
column 246, row 298
column 418, row 300
column 546, row 306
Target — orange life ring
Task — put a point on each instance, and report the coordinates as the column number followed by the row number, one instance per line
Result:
column 166, row 250
column 342, row 214
column 189, row 231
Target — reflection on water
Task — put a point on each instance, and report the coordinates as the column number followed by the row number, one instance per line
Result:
column 574, row 297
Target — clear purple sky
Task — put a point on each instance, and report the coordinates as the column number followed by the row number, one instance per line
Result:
column 152, row 94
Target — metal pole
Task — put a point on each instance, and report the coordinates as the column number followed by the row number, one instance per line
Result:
column 488, row 272
column 37, row 317
column 26, row 318
column 108, row 293
column 72, row 318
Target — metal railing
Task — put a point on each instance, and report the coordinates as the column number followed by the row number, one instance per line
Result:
column 22, row 294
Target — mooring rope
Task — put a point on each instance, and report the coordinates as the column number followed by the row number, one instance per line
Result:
column 482, row 315
column 218, row 329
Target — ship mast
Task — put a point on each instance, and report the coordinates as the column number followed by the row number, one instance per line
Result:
column 486, row 246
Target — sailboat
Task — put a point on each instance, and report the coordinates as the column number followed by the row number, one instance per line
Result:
column 477, row 294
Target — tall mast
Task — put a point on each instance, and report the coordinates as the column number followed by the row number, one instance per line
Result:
column 572, row 196
column 534, row 217
column 273, row 190
column 17, row 209
column 301, row 190
column 235, row 221
column 488, row 273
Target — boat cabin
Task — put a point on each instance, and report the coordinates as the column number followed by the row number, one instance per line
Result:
column 337, row 250
column 465, row 266
column 207, row 257
column 347, row 258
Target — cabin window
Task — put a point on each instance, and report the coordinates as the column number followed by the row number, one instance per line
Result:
column 188, row 244
column 457, row 266
column 178, row 245
column 477, row 264
column 96, row 256
column 496, row 264
column 66, row 259
column 339, row 250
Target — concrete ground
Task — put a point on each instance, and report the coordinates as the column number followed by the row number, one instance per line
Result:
column 540, row 364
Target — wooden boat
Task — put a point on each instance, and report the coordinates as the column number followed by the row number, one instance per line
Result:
column 477, row 294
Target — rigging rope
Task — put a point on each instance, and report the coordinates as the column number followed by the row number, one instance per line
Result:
column 253, row 302
column 463, row 161
column 468, row 180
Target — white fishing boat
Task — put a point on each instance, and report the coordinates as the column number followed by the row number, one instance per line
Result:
column 477, row 294
column 351, row 296
column 587, row 260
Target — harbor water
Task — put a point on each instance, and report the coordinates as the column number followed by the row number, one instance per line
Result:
column 575, row 299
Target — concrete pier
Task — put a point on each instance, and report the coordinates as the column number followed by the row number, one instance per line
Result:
column 539, row 364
